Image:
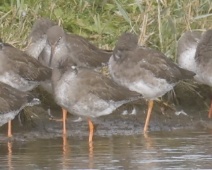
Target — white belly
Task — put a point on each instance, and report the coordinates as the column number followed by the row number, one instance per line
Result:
column 151, row 91
column 186, row 60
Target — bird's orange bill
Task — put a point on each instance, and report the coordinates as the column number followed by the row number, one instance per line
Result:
column 150, row 106
column 91, row 129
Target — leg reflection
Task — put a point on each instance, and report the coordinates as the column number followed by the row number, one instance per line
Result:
column 65, row 152
column 148, row 141
column 9, row 146
column 91, row 155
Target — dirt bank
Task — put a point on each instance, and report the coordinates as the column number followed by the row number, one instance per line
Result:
column 181, row 109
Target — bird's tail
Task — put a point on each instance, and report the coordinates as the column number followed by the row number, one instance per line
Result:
column 187, row 74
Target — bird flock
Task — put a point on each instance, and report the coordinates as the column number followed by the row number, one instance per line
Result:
column 66, row 66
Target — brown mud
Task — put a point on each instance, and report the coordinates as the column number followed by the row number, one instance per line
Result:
column 193, row 104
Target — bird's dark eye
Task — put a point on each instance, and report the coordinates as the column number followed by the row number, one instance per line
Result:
column 59, row 38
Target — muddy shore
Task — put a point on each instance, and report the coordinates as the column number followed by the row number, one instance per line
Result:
column 179, row 109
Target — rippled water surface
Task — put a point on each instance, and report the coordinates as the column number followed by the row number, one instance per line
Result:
column 167, row 150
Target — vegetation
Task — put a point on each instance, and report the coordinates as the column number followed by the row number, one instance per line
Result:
column 159, row 23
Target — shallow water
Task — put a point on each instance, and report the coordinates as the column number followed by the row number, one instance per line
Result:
column 164, row 150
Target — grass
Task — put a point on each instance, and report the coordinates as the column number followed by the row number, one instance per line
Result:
column 158, row 23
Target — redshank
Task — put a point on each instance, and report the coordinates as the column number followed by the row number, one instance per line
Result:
column 37, row 36
column 203, row 58
column 61, row 45
column 12, row 101
column 144, row 70
column 87, row 93
column 19, row 70
column 194, row 54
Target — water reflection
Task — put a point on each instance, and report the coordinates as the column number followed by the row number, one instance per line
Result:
column 9, row 145
column 173, row 150
column 66, row 150
column 91, row 155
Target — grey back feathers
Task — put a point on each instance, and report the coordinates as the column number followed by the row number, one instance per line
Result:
column 12, row 101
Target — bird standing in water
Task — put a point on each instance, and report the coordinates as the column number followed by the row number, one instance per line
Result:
column 21, row 72
column 12, row 101
column 62, row 47
column 144, row 70
column 87, row 93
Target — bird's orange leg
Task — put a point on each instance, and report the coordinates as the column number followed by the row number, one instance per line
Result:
column 91, row 129
column 150, row 106
column 64, row 111
column 210, row 111
column 9, row 134
column 64, row 121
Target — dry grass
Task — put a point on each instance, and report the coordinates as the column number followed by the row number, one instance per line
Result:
column 159, row 23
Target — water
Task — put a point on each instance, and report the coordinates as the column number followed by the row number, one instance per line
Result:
column 165, row 150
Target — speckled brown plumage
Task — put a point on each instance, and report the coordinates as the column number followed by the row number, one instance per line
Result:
column 203, row 54
column 37, row 36
column 144, row 70
column 131, row 63
column 80, row 50
column 19, row 70
column 12, row 101
column 77, row 85
column 203, row 59
column 87, row 93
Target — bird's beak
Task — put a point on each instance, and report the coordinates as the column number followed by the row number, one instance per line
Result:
column 52, row 53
